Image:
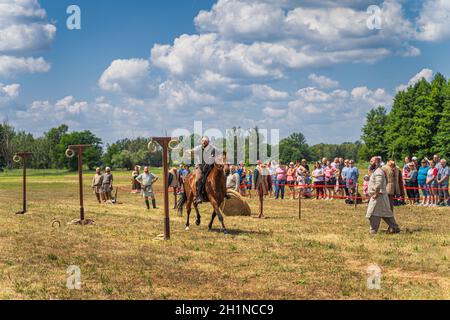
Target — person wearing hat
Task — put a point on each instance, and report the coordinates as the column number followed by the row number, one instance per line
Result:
column 107, row 185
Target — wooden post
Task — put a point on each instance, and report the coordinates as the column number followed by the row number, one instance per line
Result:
column 22, row 157
column 356, row 196
column 260, row 192
column 164, row 142
column 300, row 193
column 70, row 153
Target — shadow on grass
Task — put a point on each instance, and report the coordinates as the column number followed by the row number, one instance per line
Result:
column 237, row 232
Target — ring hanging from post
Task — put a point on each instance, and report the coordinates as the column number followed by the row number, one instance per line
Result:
column 70, row 153
column 16, row 158
column 174, row 144
column 152, row 147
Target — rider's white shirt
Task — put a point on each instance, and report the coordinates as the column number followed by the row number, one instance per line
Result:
column 204, row 155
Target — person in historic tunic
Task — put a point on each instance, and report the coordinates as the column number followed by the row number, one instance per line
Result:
column 393, row 186
column 204, row 159
column 379, row 206
column 135, row 185
column 107, row 185
column 174, row 183
column 261, row 182
column 147, row 180
column 97, row 182
column 233, row 179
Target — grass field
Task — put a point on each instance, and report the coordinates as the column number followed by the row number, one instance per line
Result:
column 323, row 256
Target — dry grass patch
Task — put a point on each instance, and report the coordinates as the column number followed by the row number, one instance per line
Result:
column 323, row 256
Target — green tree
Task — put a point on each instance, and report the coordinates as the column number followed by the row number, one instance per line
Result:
column 53, row 139
column 442, row 138
column 91, row 157
column 400, row 125
column 7, row 134
column 424, row 119
column 294, row 148
column 374, row 133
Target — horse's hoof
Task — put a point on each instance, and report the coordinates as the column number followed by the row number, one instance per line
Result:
column 187, row 229
column 198, row 222
column 225, row 232
column 209, row 229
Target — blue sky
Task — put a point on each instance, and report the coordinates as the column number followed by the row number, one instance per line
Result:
column 148, row 67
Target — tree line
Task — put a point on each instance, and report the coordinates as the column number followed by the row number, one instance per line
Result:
column 417, row 125
column 49, row 149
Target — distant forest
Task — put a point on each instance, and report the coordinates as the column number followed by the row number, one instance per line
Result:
column 417, row 124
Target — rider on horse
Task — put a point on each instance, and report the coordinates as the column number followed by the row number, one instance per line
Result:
column 204, row 159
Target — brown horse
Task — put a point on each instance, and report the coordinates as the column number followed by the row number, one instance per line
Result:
column 216, row 192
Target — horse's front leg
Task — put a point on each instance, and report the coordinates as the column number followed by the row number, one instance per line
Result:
column 218, row 212
column 213, row 216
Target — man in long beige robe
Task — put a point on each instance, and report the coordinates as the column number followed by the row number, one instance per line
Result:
column 261, row 183
column 379, row 204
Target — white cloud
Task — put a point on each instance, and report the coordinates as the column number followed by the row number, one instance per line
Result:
column 208, row 110
column 100, row 116
column 26, row 37
column 24, row 29
column 194, row 54
column 126, row 75
column 265, row 92
column 327, row 111
column 322, row 81
column 372, row 98
column 274, row 112
column 10, row 91
column 310, row 27
column 69, row 105
column 434, row 20
column 238, row 19
column 174, row 94
column 11, row 66
column 311, row 94
column 19, row 9
column 425, row 73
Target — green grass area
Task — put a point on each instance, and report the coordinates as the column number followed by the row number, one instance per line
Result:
column 323, row 256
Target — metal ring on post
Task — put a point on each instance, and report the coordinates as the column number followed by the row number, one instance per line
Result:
column 16, row 158
column 174, row 144
column 70, row 153
column 152, row 147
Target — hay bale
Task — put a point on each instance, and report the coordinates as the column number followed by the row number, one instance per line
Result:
column 235, row 205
